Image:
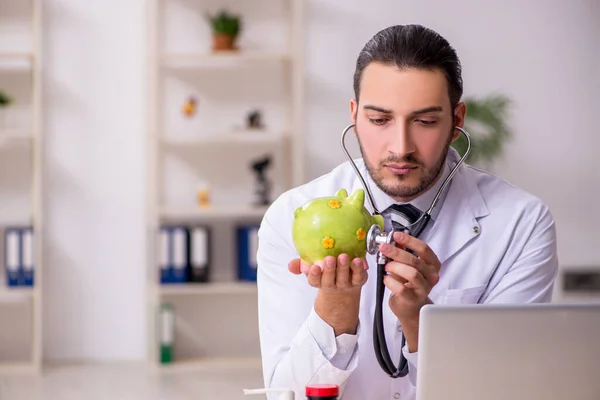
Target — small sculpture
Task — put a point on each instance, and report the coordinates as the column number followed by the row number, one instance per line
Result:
column 334, row 225
column 254, row 120
column 189, row 107
column 203, row 197
column 263, row 185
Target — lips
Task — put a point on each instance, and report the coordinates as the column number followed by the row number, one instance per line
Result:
column 400, row 169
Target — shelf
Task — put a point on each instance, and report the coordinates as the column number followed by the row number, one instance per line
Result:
column 226, row 363
column 243, row 137
column 209, row 288
column 11, row 368
column 9, row 294
column 14, row 216
column 19, row 62
column 231, row 212
column 219, row 59
column 14, row 136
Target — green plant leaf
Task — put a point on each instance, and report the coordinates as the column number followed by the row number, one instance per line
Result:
column 225, row 23
column 486, row 122
column 5, row 100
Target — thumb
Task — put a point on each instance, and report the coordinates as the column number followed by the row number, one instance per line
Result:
column 294, row 266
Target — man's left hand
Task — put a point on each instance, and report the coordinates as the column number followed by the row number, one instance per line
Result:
column 410, row 278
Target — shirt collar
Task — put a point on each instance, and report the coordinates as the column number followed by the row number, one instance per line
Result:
column 422, row 202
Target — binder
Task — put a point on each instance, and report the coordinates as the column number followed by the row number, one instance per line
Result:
column 27, row 249
column 12, row 256
column 179, row 260
column 247, row 246
column 163, row 256
column 199, row 253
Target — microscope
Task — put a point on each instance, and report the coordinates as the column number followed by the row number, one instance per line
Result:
column 263, row 184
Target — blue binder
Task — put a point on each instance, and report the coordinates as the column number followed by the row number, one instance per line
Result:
column 179, row 259
column 173, row 257
column 27, row 251
column 12, row 256
column 247, row 245
column 164, row 239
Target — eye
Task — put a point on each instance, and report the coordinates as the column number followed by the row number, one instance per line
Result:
column 378, row 121
column 426, row 122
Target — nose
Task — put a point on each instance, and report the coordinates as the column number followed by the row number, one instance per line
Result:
column 400, row 141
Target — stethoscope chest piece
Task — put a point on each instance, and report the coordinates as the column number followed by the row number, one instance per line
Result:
column 375, row 237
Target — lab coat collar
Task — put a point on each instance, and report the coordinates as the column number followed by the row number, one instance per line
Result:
column 458, row 220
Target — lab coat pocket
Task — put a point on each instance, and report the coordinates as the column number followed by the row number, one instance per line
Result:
column 461, row 296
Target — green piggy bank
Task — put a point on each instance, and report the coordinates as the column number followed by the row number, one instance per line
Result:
column 330, row 226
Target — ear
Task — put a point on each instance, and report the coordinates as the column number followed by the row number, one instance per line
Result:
column 357, row 199
column 353, row 110
column 460, row 112
column 342, row 193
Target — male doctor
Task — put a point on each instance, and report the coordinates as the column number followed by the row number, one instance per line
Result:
column 488, row 241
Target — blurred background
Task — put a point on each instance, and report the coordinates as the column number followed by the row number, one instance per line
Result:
column 141, row 141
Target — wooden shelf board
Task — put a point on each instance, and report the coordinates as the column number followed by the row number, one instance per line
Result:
column 211, row 364
column 230, row 212
column 16, row 62
column 204, row 60
column 245, row 137
column 24, row 367
column 15, row 217
column 208, row 288
column 10, row 294
column 12, row 136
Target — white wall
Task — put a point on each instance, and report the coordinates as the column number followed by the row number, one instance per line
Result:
column 93, row 295
column 541, row 53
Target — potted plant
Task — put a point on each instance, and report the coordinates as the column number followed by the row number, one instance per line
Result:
column 486, row 122
column 226, row 29
column 5, row 101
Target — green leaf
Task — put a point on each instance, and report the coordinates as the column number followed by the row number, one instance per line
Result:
column 225, row 23
column 5, row 100
column 486, row 122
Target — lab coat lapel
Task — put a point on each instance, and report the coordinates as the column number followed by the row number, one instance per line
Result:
column 457, row 223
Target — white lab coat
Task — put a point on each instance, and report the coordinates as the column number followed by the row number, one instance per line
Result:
column 496, row 243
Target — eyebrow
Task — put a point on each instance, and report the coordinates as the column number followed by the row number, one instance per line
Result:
column 416, row 112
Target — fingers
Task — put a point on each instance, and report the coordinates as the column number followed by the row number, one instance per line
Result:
column 410, row 275
column 398, row 254
column 342, row 277
column 295, row 266
column 333, row 274
column 418, row 246
column 329, row 272
column 359, row 272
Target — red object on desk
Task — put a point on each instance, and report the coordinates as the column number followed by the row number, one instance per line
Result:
column 322, row 392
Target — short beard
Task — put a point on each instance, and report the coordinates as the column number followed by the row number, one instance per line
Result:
column 403, row 191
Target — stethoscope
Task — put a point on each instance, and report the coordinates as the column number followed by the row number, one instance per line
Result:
column 376, row 236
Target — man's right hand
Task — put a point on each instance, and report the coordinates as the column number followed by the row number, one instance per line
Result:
column 333, row 275
column 339, row 282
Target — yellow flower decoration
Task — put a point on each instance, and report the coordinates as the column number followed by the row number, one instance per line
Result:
column 335, row 204
column 360, row 234
column 328, row 242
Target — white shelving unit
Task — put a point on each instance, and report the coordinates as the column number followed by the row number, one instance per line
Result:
column 216, row 321
column 21, row 180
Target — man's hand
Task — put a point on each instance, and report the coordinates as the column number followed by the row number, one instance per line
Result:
column 333, row 275
column 410, row 279
column 339, row 282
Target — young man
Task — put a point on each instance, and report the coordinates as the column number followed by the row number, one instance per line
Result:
column 487, row 241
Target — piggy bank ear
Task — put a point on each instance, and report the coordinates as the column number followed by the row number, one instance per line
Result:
column 342, row 193
column 357, row 199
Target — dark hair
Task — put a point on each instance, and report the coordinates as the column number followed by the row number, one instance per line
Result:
column 412, row 46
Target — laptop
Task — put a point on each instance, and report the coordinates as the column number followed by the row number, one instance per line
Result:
column 509, row 352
